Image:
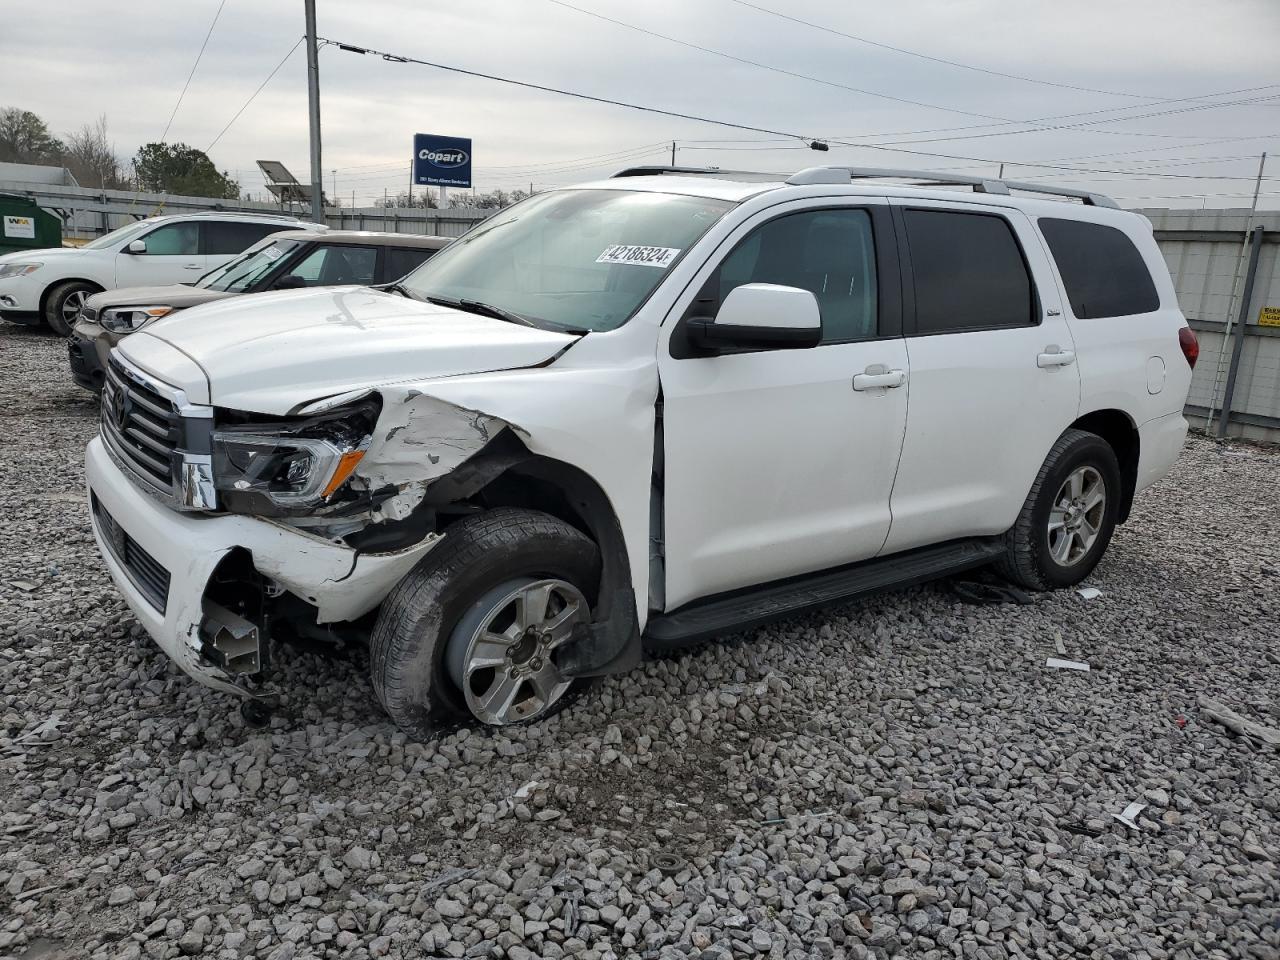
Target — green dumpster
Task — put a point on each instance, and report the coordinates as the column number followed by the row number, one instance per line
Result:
column 24, row 226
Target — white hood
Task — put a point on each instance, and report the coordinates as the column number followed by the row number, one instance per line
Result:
column 40, row 254
column 269, row 353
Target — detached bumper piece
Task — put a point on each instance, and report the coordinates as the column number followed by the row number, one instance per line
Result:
column 146, row 573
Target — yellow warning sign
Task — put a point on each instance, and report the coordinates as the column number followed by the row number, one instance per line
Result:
column 1269, row 317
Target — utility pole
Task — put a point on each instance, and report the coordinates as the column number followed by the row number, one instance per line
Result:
column 313, row 109
column 673, row 153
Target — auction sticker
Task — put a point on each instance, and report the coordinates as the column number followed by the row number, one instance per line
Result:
column 644, row 256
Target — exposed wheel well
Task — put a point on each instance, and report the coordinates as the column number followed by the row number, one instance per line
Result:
column 571, row 495
column 1116, row 427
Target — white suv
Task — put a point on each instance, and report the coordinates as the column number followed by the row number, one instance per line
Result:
column 50, row 286
column 635, row 414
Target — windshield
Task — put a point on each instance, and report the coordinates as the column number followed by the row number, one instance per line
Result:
column 238, row 275
column 120, row 235
column 583, row 259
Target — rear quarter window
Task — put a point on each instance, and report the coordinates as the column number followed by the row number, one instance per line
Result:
column 1103, row 271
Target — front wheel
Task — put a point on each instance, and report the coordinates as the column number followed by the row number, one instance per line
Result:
column 63, row 305
column 1068, row 517
column 473, row 632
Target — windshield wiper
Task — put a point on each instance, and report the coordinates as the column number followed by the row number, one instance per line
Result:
column 484, row 309
column 398, row 288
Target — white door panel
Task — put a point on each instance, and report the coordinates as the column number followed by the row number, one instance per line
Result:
column 986, row 406
column 775, row 465
column 172, row 256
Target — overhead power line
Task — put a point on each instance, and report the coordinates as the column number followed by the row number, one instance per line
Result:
column 779, row 70
column 1003, row 121
column 217, row 13
column 252, row 96
column 943, row 60
column 397, row 58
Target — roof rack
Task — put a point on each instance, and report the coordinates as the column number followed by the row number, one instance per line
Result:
column 658, row 170
column 980, row 184
column 813, row 175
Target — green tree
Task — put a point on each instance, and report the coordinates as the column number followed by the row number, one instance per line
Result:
column 25, row 138
column 186, row 171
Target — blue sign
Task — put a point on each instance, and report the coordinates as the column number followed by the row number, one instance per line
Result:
column 441, row 161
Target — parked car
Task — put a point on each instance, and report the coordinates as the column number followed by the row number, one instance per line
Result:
column 284, row 261
column 636, row 414
column 50, row 286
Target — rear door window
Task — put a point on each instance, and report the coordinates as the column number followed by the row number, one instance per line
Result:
column 402, row 261
column 1103, row 271
column 969, row 272
column 222, row 237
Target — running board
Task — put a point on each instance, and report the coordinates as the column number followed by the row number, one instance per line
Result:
column 745, row 609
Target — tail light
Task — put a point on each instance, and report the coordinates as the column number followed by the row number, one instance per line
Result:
column 1190, row 346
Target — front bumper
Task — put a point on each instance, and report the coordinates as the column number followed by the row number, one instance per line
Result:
column 87, row 368
column 164, row 572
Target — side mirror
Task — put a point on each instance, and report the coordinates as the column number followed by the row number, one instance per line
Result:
column 764, row 316
column 290, row 281
column 137, row 246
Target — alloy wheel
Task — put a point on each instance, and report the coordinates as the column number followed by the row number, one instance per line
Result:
column 500, row 655
column 1076, row 517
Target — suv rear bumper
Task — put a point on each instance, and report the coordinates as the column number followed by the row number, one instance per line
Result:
column 1159, row 443
column 161, row 561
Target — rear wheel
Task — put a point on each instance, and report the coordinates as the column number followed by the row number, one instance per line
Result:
column 1069, row 516
column 473, row 631
column 63, row 305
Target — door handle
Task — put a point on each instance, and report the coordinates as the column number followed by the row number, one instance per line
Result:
column 1055, row 356
column 191, row 266
column 879, row 377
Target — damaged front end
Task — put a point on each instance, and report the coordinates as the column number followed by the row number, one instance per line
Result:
column 341, row 468
column 350, row 474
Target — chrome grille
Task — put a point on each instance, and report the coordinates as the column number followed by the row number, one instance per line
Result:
column 141, row 427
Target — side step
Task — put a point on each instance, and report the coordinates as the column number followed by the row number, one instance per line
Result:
column 745, row 609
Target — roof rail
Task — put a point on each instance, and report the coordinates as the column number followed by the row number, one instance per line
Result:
column 658, row 170
column 980, row 184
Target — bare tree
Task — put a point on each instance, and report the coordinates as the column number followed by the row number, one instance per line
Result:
column 92, row 158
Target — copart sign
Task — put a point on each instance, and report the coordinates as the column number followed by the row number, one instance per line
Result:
column 441, row 161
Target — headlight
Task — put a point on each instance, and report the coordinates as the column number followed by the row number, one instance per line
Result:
column 287, row 467
column 18, row 269
column 129, row 319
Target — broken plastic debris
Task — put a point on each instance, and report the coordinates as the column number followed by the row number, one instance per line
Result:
column 1237, row 724
column 1066, row 664
column 1129, row 815
column 1089, row 593
column 523, row 792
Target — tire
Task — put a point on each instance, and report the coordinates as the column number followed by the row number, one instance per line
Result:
column 61, row 300
column 1034, row 556
column 479, row 555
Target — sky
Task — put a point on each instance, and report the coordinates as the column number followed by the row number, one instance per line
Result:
column 1117, row 76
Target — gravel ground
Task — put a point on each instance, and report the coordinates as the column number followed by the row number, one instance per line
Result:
column 899, row 777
